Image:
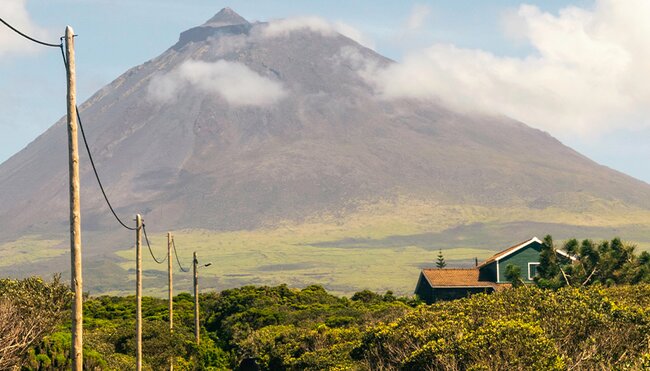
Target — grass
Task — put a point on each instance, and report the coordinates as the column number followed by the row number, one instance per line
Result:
column 29, row 249
column 380, row 246
column 325, row 249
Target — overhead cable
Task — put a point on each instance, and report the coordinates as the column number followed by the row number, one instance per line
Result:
column 83, row 134
column 177, row 260
column 90, row 156
column 144, row 231
column 101, row 187
column 29, row 37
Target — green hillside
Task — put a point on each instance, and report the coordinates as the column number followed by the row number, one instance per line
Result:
column 381, row 247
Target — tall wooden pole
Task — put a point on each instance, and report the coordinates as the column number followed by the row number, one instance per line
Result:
column 75, row 209
column 170, row 281
column 171, row 292
column 196, row 299
column 138, row 292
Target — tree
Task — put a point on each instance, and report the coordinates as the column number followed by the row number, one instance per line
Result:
column 549, row 268
column 29, row 310
column 440, row 263
column 513, row 274
column 606, row 263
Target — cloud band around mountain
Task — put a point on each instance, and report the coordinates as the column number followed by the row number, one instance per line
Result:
column 237, row 84
column 585, row 75
column 284, row 27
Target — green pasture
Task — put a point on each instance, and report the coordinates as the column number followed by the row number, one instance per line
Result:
column 380, row 246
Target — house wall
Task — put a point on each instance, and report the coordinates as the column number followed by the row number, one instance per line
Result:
column 453, row 293
column 488, row 272
column 521, row 258
column 423, row 290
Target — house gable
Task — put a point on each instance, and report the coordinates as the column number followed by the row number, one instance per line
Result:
column 520, row 255
column 522, row 258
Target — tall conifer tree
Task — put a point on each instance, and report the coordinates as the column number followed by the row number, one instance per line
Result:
column 440, row 263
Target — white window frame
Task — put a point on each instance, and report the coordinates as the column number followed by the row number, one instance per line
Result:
column 529, row 264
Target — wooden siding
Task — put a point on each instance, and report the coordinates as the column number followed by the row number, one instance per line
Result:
column 521, row 258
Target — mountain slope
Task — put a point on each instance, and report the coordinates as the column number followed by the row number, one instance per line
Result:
column 176, row 140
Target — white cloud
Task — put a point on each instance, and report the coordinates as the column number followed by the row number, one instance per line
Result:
column 588, row 74
column 234, row 82
column 15, row 13
column 419, row 14
column 284, row 27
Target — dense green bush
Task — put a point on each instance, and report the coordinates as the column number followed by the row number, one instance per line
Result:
column 280, row 328
column 522, row 328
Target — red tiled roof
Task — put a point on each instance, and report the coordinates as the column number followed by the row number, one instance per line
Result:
column 455, row 278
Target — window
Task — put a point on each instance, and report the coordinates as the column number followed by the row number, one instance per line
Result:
column 532, row 270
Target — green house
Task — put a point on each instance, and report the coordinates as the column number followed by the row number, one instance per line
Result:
column 489, row 276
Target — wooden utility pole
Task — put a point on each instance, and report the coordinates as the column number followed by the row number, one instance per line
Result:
column 75, row 208
column 196, row 299
column 171, row 292
column 170, row 281
column 138, row 292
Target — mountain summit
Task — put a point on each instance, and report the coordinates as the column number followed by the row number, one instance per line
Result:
column 225, row 17
column 243, row 127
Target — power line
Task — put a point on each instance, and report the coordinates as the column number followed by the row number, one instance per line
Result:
column 144, row 230
column 178, row 261
column 90, row 157
column 29, row 37
column 83, row 134
column 92, row 162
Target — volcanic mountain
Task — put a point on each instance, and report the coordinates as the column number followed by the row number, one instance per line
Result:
column 242, row 126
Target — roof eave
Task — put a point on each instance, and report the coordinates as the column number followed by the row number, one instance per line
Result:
column 515, row 249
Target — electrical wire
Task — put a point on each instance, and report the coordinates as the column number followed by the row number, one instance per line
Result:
column 83, row 134
column 99, row 182
column 29, row 37
column 144, row 231
column 177, row 260
column 90, row 155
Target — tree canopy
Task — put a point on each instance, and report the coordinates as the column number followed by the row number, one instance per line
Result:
column 594, row 263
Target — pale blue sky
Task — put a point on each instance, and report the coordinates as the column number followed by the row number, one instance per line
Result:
column 115, row 35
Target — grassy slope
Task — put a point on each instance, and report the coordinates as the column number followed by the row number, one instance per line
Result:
column 29, row 249
column 382, row 246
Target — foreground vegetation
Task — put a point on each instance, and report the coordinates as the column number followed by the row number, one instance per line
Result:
column 29, row 310
column 280, row 328
column 592, row 313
